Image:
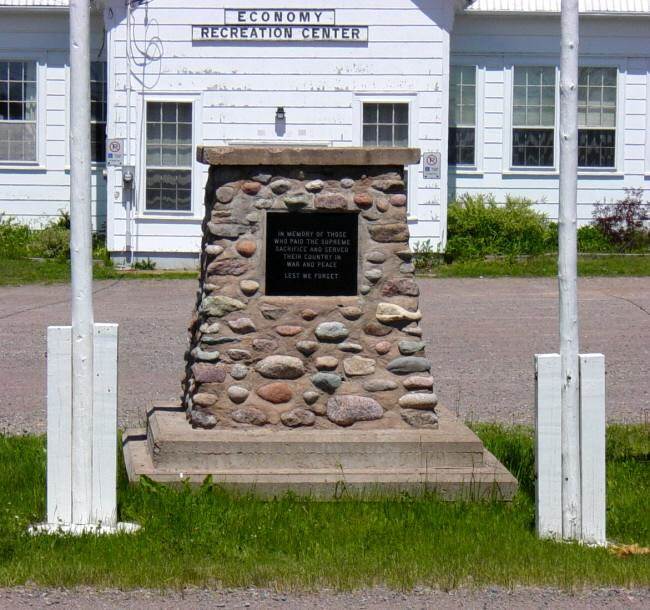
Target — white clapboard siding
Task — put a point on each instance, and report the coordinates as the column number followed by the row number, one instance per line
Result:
column 548, row 446
column 37, row 196
column 495, row 44
column 59, row 424
column 592, row 447
column 239, row 86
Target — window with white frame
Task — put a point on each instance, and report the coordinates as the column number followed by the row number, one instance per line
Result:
column 462, row 115
column 533, row 116
column 385, row 124
column 169, row 156
column 597, row 117
column 98, row 111
column 18, row 110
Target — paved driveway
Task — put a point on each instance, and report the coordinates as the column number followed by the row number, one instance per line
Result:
column 481, row 334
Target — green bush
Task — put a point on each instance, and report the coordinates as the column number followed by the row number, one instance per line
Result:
column 14, row 238
column 592, row 239
column 51, row 242
column 478, row 227
column 425, row 257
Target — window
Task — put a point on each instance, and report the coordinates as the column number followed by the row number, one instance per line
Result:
column 98, row 111
column 385, row 124
column 18, row 108
column 169, row 156
column 597, row 117
column 533, row 117
column 462, row 115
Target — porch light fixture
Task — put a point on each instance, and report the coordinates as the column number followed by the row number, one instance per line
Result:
column 279, row 114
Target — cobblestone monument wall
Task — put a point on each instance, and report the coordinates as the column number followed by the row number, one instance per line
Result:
column 307, row 309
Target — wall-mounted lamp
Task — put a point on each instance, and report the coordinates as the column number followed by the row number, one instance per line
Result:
column 279, row 114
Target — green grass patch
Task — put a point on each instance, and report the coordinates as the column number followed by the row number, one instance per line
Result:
column 543, row 266
column 16, row 272
column 207, row 537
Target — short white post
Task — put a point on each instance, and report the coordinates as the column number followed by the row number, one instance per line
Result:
column 103, row 443
column 548, row 446
column 592, row 447
column 549, row 465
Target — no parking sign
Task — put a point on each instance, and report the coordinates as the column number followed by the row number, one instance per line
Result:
column 431, row 162
column 114, row 152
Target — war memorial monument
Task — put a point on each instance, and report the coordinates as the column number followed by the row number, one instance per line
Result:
column 306, row 366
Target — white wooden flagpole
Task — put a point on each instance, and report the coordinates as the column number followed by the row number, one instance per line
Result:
column 81, row 262
column 567, row 264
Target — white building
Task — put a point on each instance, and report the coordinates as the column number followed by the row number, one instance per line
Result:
column 475, row 82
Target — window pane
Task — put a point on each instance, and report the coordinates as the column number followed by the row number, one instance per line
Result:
column 370, row 113
column 401, row 135
column 29, row 70
column 532, row 147
column 596, row 147
column 520, row 96
column 154, row 111
column 153, row 133
column 401, row 113
column 461, row 146
column 185, row 133
column 548, row 116
column 185, row 155
column 184, row 113
column 468, row 114
column 369, row 135
column 169, row 113
column 385, row 137
column 385, row 113
column 16, row 70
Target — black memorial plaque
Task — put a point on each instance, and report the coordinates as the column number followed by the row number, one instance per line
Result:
column 311, row 254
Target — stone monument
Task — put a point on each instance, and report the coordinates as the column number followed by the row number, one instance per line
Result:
column 306, row 365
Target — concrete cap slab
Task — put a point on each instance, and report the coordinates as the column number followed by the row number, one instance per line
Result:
column 306, row 155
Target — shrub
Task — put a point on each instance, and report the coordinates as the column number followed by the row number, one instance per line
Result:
column 624, row 223
column 14, row 238
column 424, row 256
column 51, row 242
column 592, row 239
column 145, row 265
column 478, row 227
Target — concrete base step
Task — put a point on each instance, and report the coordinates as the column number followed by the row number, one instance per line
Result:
column 320, row 463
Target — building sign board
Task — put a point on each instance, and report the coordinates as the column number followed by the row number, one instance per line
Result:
column 279, row 25
column 431, row 165
column 271, row 16
column 114, row 152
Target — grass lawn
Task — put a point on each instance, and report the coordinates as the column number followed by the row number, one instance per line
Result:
column 545, row 266
column 207, row 537
column 15, row 272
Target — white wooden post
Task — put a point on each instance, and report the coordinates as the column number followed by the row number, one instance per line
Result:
column 548, row 446
column 592, row 447
column 567, row 270
column 103, row 443
column 104, row 446
column 81, row 262
column 59, row 424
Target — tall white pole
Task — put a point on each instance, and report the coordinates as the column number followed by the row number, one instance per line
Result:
column 81, row 262
column 568, row 271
